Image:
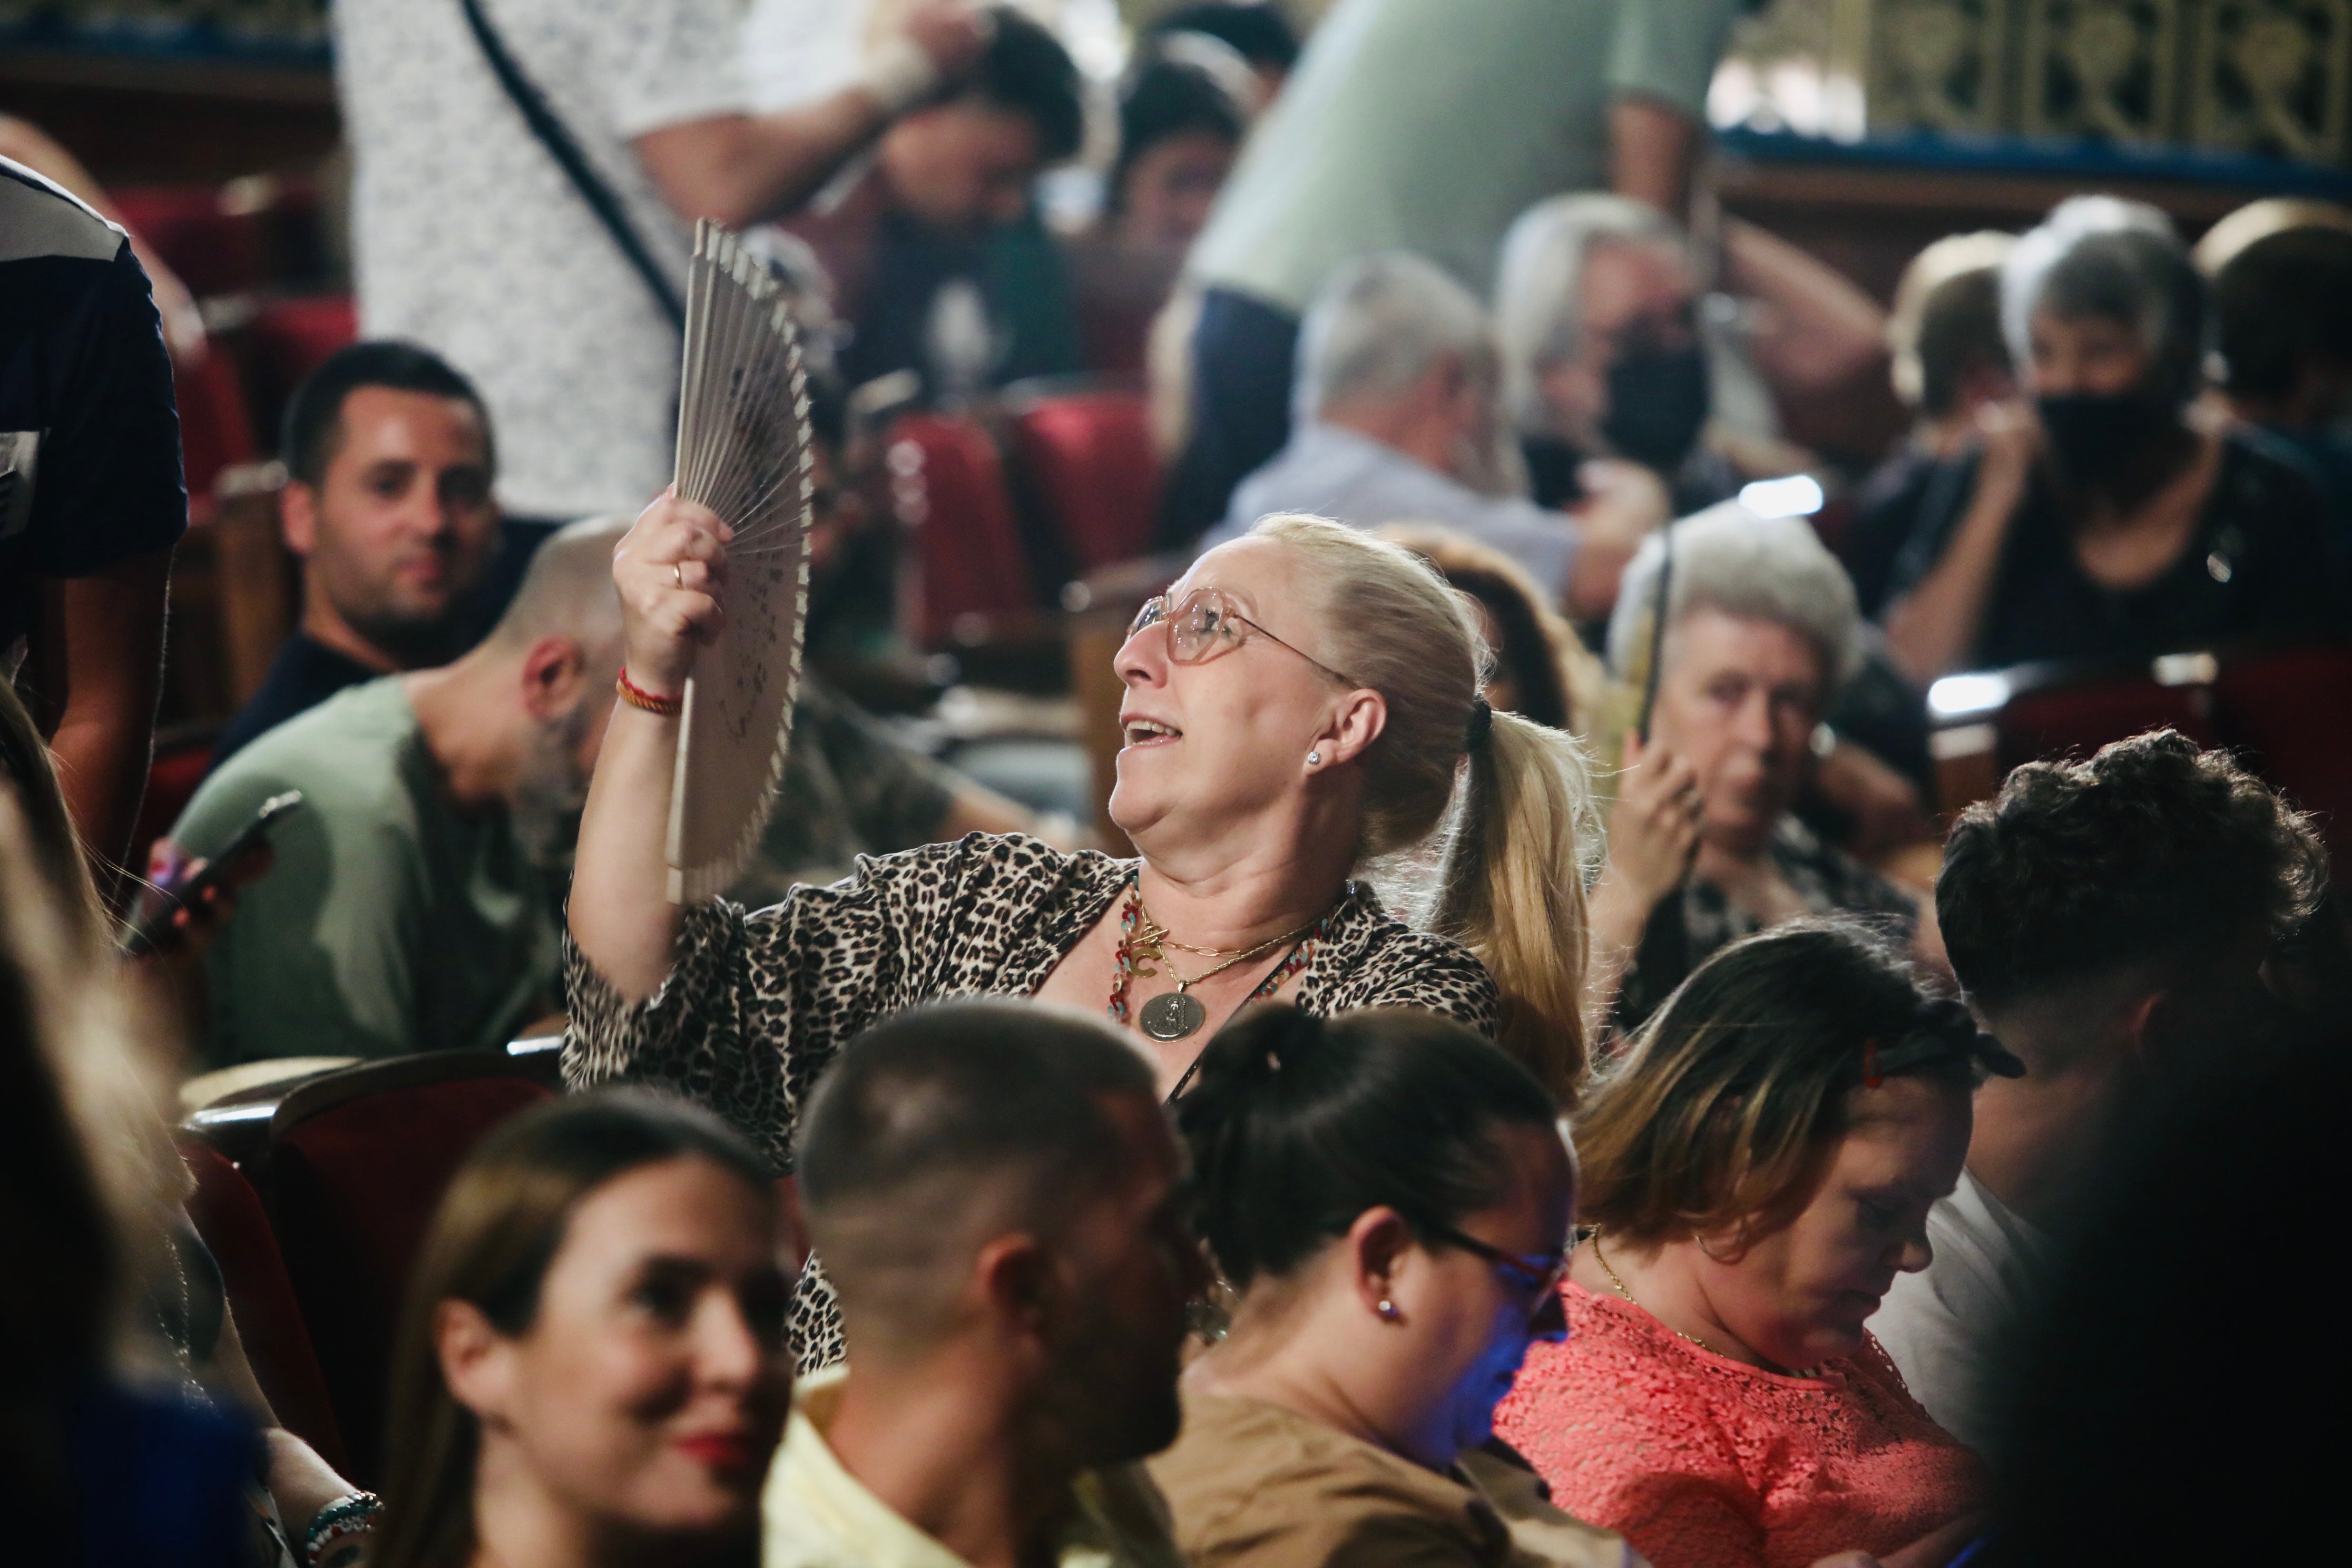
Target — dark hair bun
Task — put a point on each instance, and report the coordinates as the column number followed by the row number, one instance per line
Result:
column 1298, row 1124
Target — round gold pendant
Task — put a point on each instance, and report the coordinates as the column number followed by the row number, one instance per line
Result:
column 1171, row 1016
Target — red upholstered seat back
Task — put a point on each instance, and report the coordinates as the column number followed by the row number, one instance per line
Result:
column 172, row 781
column 214, row 245
column 1090, row 465
column 2076, row 720
column 228, row 1214
column 353, row 1187
column 2291, row 716
column 948, row 492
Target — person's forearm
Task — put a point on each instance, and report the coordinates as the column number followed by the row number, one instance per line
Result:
column 1652, row 150
column 112, row 678
column 1932, row 630
column 746, row 168
column 620, row 911
column 1821, row 330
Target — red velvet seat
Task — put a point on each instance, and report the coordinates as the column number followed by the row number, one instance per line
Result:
column 948, row 492
column 228, row 1214
column 1089, row 461
column 293, row 337
column 2290, row 714
column 215, row 247
column 357, row 1165
column 172, row 781
column 2074, row 720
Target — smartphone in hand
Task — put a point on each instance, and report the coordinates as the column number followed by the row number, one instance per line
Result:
column 149, row 924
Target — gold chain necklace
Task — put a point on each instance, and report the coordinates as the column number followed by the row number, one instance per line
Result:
column 1599, row 1258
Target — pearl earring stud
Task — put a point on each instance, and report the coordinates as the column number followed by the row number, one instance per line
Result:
column 1313, row 758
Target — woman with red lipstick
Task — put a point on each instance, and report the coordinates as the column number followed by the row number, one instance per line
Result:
column 1755, row 1173
column 592, row 1369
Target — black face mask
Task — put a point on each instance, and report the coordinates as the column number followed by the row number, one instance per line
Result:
column 2097, row 437
column 1657, row 404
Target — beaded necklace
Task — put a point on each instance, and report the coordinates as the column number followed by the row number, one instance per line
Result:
column 1125, row 968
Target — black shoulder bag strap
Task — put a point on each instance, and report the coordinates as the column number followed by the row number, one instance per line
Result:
column 566, row 152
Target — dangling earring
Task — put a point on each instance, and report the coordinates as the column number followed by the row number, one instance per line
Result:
column 1313, row 758
column 1388, row 1312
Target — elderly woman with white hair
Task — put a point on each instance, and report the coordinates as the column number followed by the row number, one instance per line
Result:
column 1759, row 631
column 2105, row 521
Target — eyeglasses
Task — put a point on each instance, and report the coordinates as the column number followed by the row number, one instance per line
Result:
column 1537, row 1273
column 1202, row 626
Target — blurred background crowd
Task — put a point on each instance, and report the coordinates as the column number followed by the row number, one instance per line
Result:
column 1843, row 417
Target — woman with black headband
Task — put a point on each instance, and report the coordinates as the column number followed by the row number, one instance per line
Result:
column 1755, row 1173
column 1303, row 701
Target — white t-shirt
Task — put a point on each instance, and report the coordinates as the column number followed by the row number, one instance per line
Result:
column 470, row 239
column 1949, row 1327
column 796, row 52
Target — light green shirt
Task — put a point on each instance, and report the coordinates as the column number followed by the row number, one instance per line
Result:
column 1428, row 125
column 815, row 1514
column 389, row 922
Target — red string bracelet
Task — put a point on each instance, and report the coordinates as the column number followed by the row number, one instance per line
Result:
column 636, row 695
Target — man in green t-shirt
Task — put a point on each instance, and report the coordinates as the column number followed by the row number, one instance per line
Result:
column 412, row 903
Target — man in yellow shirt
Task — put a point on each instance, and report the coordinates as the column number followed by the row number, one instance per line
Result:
column 991, row 1186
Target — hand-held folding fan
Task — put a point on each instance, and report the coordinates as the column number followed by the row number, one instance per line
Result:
column 744, row 452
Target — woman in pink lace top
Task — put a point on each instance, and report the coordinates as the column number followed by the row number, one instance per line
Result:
column 1758, row 1170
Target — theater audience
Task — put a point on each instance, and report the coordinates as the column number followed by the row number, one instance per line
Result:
column 915, row 246
column 1181, row 113
column 1255, row 29
column 413, row 902
column 389, row 462
column 1759, row 633
column 2107, row 525
column 1539, row 667
column 1951, row 363
column 1301, row 701
column 91, row 499
column 1422, row 126
column 995, row 1190
column 1400, row 422
column 1755, row 1173
column 1392, row 1196
column 2109, row 919
column 590, row 1367
column 472, row 237
column 2284, row 333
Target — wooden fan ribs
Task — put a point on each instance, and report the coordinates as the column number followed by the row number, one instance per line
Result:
column 744, row 452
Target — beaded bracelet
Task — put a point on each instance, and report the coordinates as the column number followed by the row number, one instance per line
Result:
column 636, row 695
column 353, row 1513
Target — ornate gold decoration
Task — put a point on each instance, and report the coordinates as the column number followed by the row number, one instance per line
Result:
column 2271, row 76
column 2101, row 67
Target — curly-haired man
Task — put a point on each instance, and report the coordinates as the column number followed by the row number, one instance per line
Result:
column 2109, row 919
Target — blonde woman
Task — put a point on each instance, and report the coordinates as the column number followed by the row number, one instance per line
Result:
column 1303, row 700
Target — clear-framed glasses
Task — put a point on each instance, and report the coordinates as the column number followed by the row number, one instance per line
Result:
column 1205, row 624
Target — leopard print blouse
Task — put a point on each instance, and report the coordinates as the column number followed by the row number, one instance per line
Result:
column 759, row 1003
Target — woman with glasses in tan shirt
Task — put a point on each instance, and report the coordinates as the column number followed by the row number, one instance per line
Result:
column 1301, row 701
column 1392, row 1198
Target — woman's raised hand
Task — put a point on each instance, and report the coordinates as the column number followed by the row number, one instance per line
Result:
column 1653, row 826
column 669, row 568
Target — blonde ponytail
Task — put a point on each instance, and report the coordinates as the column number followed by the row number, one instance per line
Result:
column 1513, row 862
column 1512, row 890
